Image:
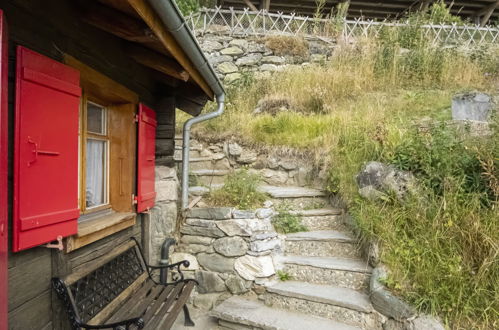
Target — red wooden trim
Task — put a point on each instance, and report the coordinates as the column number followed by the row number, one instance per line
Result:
column 148, row 119
column 49, row 81
column 4, row 68
column 48, row 219
column 146, row 194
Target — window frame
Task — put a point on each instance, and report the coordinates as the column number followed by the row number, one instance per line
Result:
column 84, row 136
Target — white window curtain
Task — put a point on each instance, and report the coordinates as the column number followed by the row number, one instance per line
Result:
column 96, row 159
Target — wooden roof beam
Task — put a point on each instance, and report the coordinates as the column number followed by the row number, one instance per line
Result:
column 157, row 62
column 487, row 12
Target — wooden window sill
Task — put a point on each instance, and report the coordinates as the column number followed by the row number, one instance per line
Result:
column 93, row 230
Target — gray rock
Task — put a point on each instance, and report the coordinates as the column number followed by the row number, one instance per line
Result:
column 165, row 173
column 210, row 46
column 426, row 322
column 394, row 325
column 233, row 246
column 232, row 51
column 241, row 43
column 232, row 78
column 243, row 214
column 244, row 227
column 194, row 230
column 200, row 222
column 247, row 157
column 249, row 267
column 194, row 248
column 205, row 302
column 264, row 213
column 216, row 262
column 256, row 48
column 166, row 190
column 318, row 58
column 215, row 213
column 288, row 164
column 188, row 239
column 249, row 60
column 472, row 106
column 227, row 67
column 377, row 179
column 384, row 301
column 273, row 60
column 209, row 282
column 234, row 149
column 269, row 67
column 263, row 236
column 260, row 246
column 273, row 177
column 214, row 60
column 237, row 285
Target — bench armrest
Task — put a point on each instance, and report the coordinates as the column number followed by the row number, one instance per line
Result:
column 176, row 266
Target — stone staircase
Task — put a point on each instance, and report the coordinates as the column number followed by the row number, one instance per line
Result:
column 329, row 280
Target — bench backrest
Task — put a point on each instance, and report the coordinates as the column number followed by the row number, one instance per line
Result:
column 92, row 290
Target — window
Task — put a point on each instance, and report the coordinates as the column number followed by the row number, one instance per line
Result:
column 96, row 156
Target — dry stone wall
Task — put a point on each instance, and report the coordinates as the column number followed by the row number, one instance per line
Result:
column 234, row 57
column 229, row 250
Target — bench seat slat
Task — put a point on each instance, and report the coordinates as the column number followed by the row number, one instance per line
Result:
column 181, row 301
column 129, row 309
column 160, row 315
column 156, row 304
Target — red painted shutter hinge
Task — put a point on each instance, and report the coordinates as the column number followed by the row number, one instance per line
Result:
column 134, row 199
column 136, row 118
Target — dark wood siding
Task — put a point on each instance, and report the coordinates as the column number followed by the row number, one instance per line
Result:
column 52, row 28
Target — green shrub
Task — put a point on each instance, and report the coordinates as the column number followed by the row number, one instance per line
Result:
column 239, row 190
column 285, row 222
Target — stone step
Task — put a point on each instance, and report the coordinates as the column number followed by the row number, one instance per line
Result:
column 239, row 313
column 291, row 192
column 323, row 243
column 341, row 272
column 340, row 304
column 203, row 190
column 209, row 176
column 318, row 212
column 324, row 222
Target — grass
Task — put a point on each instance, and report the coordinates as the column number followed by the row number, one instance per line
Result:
column 239, row 190
column 285, row 222
column 373, row 101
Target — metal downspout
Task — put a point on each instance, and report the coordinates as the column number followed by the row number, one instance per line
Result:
column 174, row 22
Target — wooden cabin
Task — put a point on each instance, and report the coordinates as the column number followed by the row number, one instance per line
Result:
column 89, row 90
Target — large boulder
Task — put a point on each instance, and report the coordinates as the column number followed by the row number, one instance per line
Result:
column 473, row 106
column 376, row 180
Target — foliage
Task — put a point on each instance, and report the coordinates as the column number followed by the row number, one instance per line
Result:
column 285, row 222
column 239, row 190
column 367, row 104
column 284, row 276
column 187, row 6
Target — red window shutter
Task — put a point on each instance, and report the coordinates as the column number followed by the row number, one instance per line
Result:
column 146, row 193
column 4, row 65
column 46, row 150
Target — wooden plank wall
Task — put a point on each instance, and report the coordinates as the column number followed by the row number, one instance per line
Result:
column 51, row 27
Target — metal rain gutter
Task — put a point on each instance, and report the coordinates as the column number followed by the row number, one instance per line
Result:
column 175, row 23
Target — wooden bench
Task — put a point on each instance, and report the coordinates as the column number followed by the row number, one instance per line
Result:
column 119, row 292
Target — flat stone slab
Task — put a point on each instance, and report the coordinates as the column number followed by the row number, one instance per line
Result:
column 326, row 294
column 256, row 314
column 317, row 212
column 352, row 265
column 194, row 159
column 291, row 192
column 321, row 235
column 209, row 172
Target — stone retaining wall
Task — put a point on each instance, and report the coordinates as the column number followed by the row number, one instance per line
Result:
column 232, row 57
column 229, row 250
